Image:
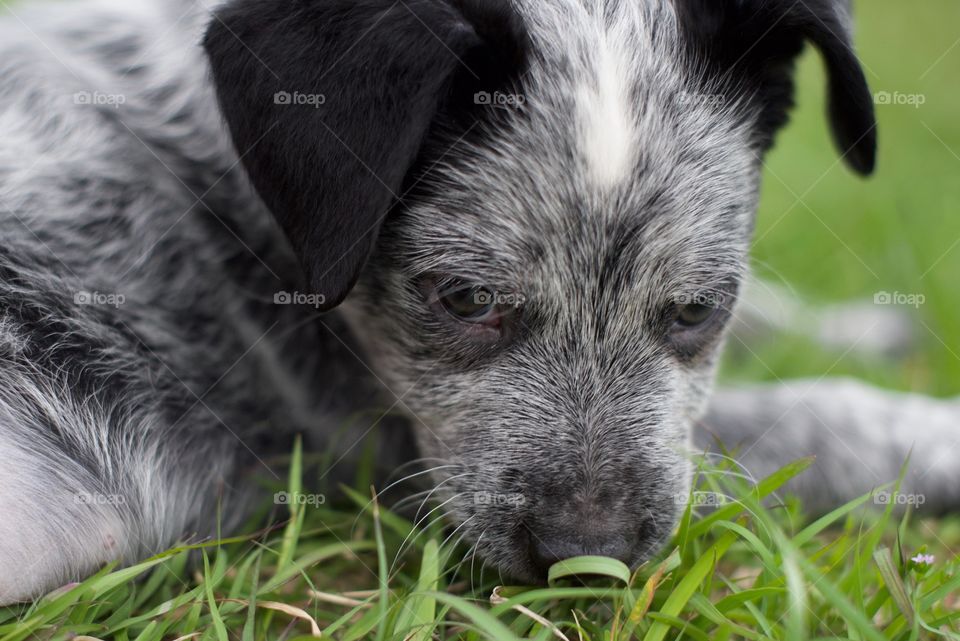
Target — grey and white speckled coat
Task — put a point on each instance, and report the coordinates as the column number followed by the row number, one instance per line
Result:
column 597, row 161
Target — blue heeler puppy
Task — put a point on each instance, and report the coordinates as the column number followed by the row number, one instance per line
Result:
column 527, row 220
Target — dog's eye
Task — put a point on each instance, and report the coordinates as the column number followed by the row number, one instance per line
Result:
column 695, row 320
column 695, row 314
column 468, row 303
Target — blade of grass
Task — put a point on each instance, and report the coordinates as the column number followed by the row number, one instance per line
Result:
column 291, row 534
column 420, row 611
column 898, row 591
column 589, row 565
column 763, row 489
column 492, row 627
column 806, row 535
column 682, row 626
column 218, row 625
column 383, row 567
column 398, row 524
column 853, row 615
column 688, row 586
column 702, row 605
column 249, row 626
column 643, row 602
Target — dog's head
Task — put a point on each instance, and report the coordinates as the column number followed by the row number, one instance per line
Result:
column 541, row 212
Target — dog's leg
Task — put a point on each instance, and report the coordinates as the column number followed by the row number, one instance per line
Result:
column 105, row 453
column 858, row 327
column 57, row 524
column 85, row 481
column 860, row 435
column 137, row 284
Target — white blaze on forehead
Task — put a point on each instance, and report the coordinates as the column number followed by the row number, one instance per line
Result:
column 606, row 116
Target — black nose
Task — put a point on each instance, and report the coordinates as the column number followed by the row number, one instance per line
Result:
column 548, row 547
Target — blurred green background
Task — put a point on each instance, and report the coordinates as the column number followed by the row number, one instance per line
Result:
column 834, row 237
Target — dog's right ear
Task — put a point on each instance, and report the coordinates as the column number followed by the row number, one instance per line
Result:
column 752, row 45
column 328, row 103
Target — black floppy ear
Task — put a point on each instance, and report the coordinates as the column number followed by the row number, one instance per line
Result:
column 328, row 103
column 754, row 43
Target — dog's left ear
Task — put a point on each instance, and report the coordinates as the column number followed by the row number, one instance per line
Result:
column 329, row 102
column 754, row 43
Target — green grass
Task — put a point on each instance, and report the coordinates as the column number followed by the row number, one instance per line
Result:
column 745, row 571
column 834, row 237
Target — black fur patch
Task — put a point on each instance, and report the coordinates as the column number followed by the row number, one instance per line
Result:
column 332, row 168
column 755, row 43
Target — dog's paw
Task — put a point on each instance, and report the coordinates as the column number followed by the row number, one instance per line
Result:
column 884, row 327
column 867, row 328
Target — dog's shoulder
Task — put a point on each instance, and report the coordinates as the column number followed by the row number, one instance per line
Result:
column 116, row 177
column 105, row 89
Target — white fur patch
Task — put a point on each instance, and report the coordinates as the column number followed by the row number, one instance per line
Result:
column 607, row 129
column 52, row 530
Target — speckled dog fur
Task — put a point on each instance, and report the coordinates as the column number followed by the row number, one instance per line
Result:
column 147, row 372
